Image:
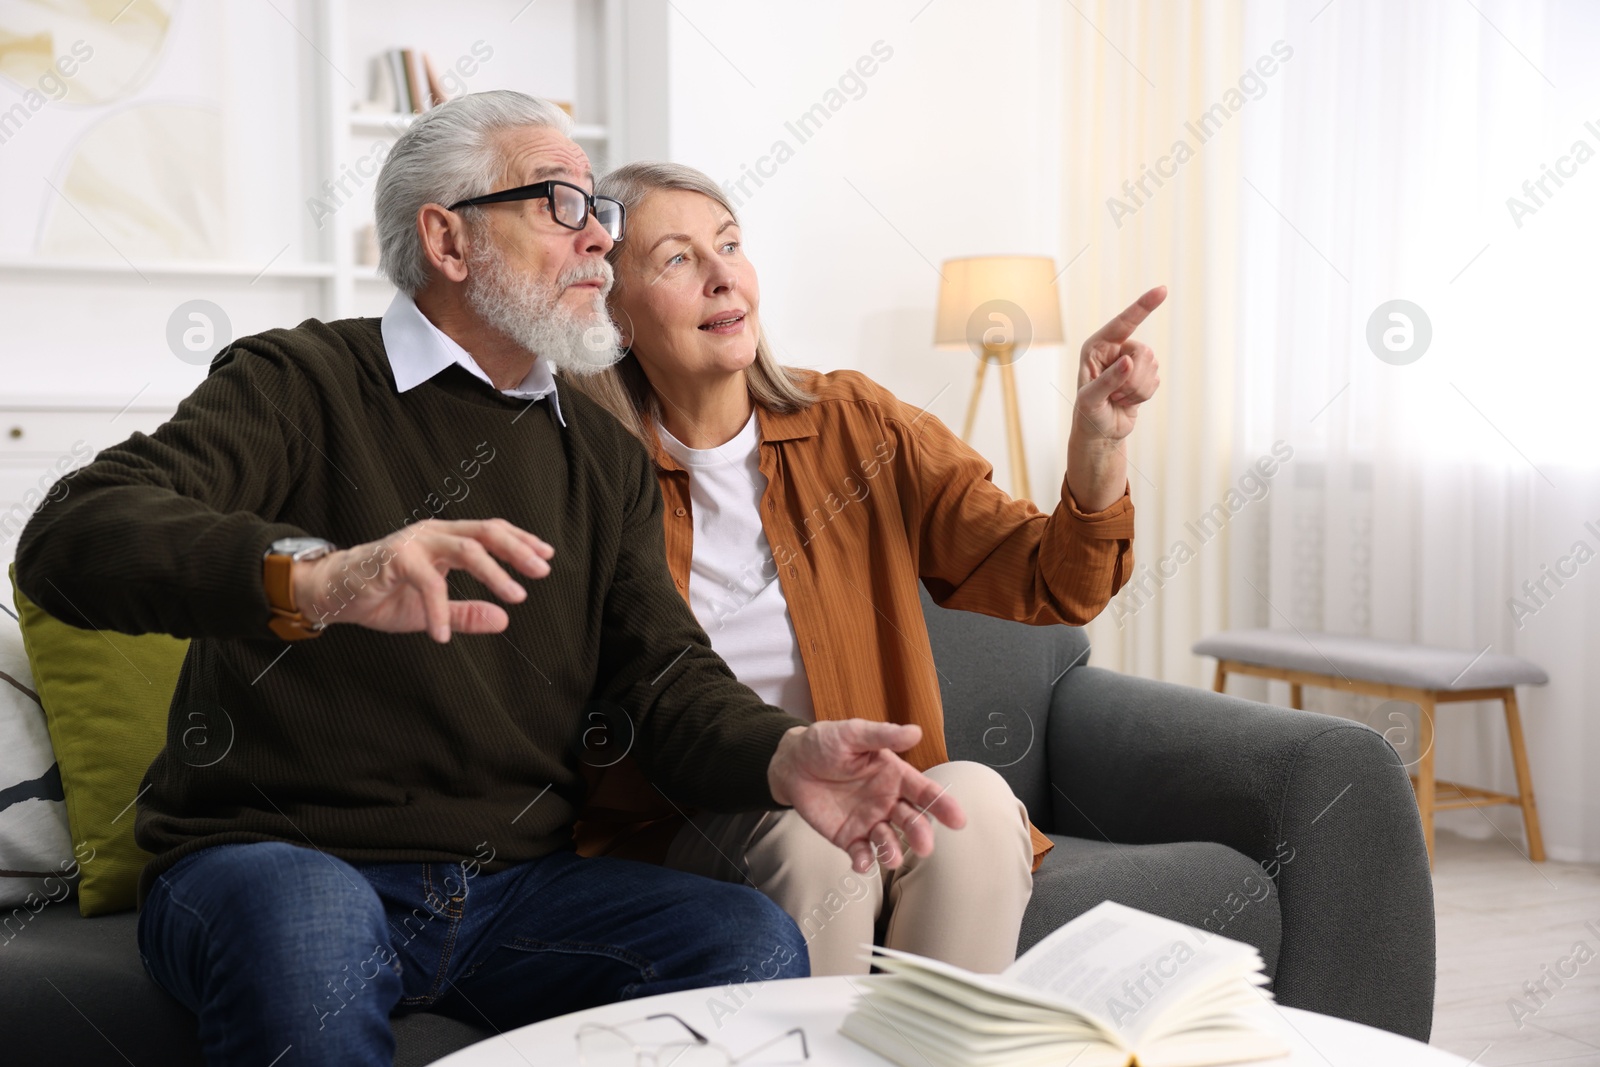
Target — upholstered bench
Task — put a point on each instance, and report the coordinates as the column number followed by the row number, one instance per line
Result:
column 1419, row 674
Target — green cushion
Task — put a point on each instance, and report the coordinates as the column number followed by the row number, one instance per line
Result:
column 105, row 697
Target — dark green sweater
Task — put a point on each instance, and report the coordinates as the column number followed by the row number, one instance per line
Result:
column 376, row 746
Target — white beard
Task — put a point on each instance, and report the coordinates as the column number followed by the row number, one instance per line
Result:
column 531, row 313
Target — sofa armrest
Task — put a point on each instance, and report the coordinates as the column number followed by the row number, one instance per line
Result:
column 1323, row 803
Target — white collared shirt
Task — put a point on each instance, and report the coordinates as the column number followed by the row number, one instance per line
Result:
column 417, row 350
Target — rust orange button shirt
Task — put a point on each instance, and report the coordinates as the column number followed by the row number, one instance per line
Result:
column 865, row 496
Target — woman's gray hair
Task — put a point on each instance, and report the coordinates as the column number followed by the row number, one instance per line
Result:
column 450, row 153
column 623, row 389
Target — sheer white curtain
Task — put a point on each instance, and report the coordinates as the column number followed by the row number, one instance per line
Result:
column 1388, row 162
column 1136, row 73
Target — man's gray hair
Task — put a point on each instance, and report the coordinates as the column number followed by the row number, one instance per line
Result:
column 449, row 154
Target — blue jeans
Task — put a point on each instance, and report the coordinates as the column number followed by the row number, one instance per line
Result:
column 282, row 949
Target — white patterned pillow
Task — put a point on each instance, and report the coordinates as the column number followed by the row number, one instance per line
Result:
column 35, row 843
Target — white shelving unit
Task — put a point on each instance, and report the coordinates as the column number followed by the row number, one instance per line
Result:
column 374, row 122
column 605, row 57
column 87, row 355
column 42, row 439
column 166, row 268
column 348, row 134
column 337, row 135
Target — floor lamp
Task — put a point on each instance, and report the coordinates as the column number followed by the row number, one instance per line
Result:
column 998, row 307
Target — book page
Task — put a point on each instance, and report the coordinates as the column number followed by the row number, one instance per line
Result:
column 1125, row 969
column 897, row 1042
column 995, row 992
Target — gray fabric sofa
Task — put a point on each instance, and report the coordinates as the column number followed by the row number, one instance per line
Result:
column 1171, row 799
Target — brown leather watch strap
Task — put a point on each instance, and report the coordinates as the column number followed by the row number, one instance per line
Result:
column 287, row 620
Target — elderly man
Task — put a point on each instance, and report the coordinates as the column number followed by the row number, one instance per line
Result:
column 391, row 829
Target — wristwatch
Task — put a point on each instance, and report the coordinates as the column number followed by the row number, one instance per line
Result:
column 277, row 565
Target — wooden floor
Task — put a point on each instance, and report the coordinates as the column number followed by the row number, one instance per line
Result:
column 1501, row 922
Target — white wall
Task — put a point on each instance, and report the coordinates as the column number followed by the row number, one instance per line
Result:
column 103, row 336
column 950, row 149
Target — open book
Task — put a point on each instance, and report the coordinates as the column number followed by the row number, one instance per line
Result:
column 1115, row 987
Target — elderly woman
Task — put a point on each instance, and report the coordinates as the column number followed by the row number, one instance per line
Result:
column 802, row 509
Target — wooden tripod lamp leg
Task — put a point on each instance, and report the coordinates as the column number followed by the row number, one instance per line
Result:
column 972, row 405
column 1019, row 461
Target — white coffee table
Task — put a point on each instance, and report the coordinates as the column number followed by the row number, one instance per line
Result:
column 818, row 1005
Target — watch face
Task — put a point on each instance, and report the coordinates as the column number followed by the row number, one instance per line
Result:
column 299, row 547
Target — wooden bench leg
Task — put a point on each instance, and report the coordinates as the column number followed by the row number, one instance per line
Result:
column 1519, row 758
column 1221, row 682
column 1424, row 784
column 1295, row 698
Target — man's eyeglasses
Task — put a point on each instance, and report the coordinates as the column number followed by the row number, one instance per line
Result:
column 600, row 1045
column 570, row 205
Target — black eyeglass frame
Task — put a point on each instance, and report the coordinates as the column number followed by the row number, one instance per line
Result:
column 545, row 190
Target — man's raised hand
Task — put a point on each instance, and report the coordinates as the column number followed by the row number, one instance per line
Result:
column 397, row 584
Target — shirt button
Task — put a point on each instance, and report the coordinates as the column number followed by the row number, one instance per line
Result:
column 680, row 513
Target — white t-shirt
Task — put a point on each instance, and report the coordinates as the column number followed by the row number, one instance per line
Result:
column 733, row 579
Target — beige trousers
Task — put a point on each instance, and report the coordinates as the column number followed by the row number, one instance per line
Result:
column 962, row 904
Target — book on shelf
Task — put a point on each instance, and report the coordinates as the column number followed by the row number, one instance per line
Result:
column 407, row 81
column 404, row 81
column 435, row 85
column 416, row 93
column 1115, row 987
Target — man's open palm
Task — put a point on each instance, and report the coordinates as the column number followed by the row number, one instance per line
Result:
column 845, row 780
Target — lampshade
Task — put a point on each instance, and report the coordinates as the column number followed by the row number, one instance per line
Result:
column 999, row 300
